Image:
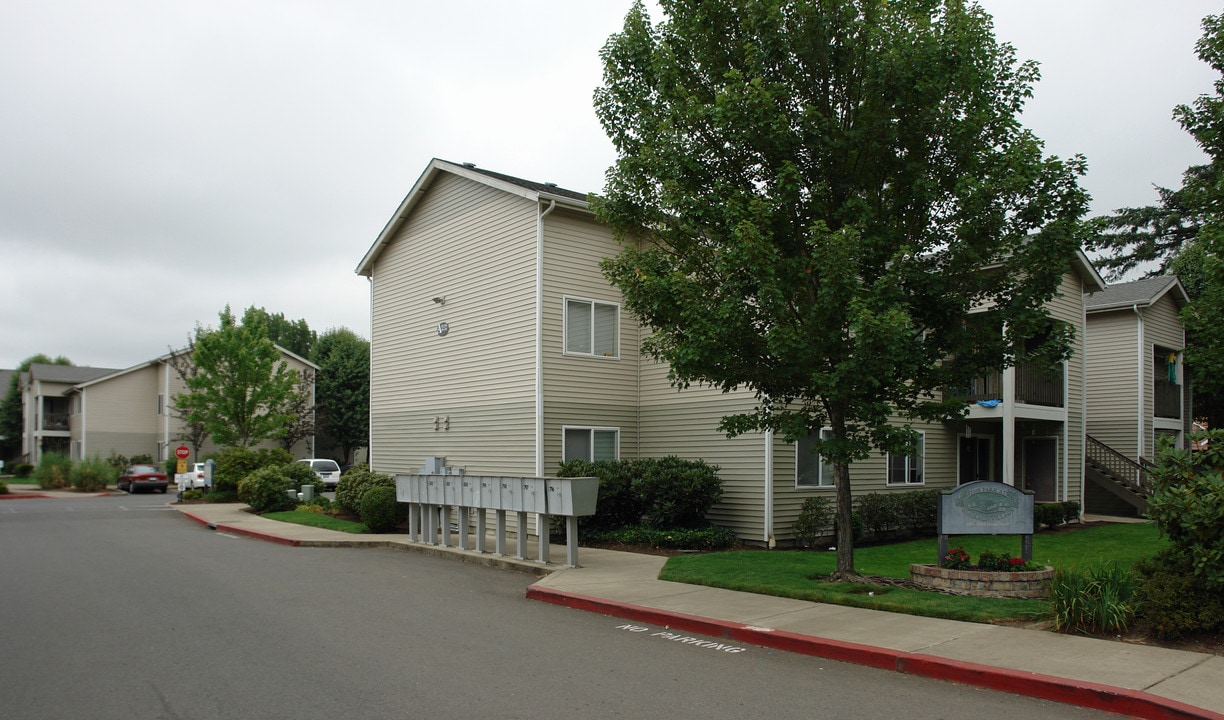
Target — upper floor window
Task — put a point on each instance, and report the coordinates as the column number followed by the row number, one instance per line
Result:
column 811, row 470
column 161, row 404
column 907, row 469
column 592, row 328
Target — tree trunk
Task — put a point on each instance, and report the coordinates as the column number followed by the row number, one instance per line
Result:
column 845, row 523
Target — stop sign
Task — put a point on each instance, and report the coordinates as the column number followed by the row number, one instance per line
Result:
column 182, row 452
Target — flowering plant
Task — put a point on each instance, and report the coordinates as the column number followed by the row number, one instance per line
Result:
column 956, row 559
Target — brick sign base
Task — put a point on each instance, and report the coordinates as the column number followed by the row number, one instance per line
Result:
column 1029, row 585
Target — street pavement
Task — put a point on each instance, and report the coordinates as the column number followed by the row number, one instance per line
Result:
column 1130, row 679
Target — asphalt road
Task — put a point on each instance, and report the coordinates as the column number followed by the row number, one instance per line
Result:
column 121, row 608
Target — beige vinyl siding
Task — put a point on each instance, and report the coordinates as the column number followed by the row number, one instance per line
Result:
column 1161, row 328
column 475, row 246
column 121, row 415
column 584, row 391
column 1113, row 380
column 1069, row 307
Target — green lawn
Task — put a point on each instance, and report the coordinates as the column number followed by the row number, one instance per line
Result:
column 800, row 574
column 318, row 520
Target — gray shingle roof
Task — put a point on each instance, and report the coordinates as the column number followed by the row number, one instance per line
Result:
column 67, row 373
column 547, row 188
column 1139, row 292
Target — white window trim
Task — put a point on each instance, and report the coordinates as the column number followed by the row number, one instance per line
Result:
column 921, row 468
column 565, row 303
column 592, row 429
column 821, row 485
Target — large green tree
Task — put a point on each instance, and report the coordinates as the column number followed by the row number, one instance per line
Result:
column 343, row 389
column 293, row 335
column 10, row 407
column 241, row 386
column 815, row 194
column 1184, row 233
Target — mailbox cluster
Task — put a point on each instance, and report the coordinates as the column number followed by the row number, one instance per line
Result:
column 431, row 496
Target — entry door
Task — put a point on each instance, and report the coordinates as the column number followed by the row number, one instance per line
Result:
column 1041, row 468
column 974, row 460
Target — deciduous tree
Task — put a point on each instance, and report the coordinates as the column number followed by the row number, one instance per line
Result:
column 343, row 389
column 242, row 384
column 814, row 194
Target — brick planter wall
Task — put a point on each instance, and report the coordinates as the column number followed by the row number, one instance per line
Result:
column 982, row 584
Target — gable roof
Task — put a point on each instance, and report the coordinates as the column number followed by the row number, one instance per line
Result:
column 68, row 374
column 111, row 374
column 1143, row 293
column 527, row 189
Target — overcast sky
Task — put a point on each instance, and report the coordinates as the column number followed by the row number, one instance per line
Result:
column 159, row 160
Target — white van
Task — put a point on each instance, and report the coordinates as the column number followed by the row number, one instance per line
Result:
column 327, row 470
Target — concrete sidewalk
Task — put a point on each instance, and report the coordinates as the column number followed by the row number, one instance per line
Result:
column 1135, row 680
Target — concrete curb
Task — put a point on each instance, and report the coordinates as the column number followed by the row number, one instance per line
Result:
column 22, row 496
column 1132, row 703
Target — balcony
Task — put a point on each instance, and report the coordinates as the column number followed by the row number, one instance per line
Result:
column 1034, row 386
column 55, row 421
column 1167, row 398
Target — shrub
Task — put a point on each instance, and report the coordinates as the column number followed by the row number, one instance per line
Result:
column 956, row 559
column 23, row 470
column 378, row 508
column 302, row 474
column 1047, row 514
column 4, row 490
column 1097, row 600
column 880, row 512
column 1171, row 600
column 266, row 490
column 234, row 464
column 193, row 494
column 707, row 538
column 918, row 510
column 354, row 484
column 1187, row 504
column 54, row 471
column 815, row 521
column 677, row 493
column 93, row 475
column 618, row 504
column 1071, row 511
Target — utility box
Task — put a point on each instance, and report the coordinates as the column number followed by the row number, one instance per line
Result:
column 535, row 495
column 572, row 496
column 407, row 489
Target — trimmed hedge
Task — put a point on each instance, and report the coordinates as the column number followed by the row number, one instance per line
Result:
column 379, row 509
column 267, row 490
column 354, row 484
column 667, row 492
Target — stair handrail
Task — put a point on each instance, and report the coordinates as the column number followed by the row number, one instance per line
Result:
column 1121, row 468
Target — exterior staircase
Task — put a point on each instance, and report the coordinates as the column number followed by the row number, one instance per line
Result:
column 1117, row 485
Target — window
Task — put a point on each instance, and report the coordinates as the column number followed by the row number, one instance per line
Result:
column 592, row 328
column 161, row 404
column 810, row 469
column 907, row 469
column 585, row 443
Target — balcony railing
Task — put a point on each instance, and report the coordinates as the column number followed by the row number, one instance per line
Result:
column 55, row 421
column 1034, row 386
column 1039, row 386
column 1167, row 398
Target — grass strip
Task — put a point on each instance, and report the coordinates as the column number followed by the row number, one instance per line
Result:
column 319, row 520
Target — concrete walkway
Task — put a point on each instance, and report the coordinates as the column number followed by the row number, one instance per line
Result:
column 1135, row 680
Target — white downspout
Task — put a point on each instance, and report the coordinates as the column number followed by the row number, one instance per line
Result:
column 370, row 370
column 539, row 338
column 1139, row 377
column 1083, row 433
column 769, row 491
column 165, row 368
column 84, row 428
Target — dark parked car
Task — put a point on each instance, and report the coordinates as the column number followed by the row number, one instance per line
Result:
column 146, row 477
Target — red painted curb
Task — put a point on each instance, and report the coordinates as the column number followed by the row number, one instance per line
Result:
column 242, row 531
column 22, row 496
column 1133, row 703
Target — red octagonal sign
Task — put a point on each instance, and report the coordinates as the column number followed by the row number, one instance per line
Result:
column 182, row 452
